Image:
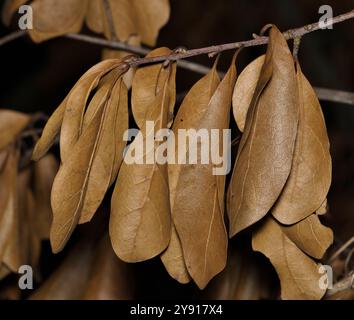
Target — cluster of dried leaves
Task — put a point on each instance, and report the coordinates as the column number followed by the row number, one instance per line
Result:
column 25, row 212
column 279, row 182
column 283, row 168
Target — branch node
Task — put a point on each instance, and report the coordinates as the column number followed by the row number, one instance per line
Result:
column 213, row 54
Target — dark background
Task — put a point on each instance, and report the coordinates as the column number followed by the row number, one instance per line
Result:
column 37, row 77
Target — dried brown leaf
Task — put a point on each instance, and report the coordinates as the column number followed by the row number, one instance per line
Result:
column 200, row 96
column 188, row 116
column 30, row 222
column 140, row 210
column 52, row 18
column 73, row 118
column 4, row 271
column 50, row 132
column 20, row 248
column 142, row 17
column 3, row 158
column 91, row 166
column 109, row 151
column 310, row 175
column 299, row 274
column 173, row 259
column 147, row 81
column 198, row 213
column 323, row 208
column 11, row 125
column 310, row 236
column 266, row 149
column 95, row 15
column 8, row 199
column 244, row 90
column 44, row 172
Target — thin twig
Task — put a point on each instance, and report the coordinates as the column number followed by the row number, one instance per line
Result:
column 290, row 34
column 335, row 95
column 348, row 259
column 296, row 47
column 12, row 36
column 346, row 283
column 108, row 11
column 322, row 93
column 108, row 43
column 192, row 66
column 341, row 249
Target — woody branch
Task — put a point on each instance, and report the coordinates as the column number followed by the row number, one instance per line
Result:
column 179, row 56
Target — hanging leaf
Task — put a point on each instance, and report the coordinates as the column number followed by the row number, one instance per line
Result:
column 3, row 158
column 92, row 165
column 20, row 243
column 173, row 259
column 323, row 208
column 44, row 172
column 202, row 231
column 79, row 96
column 310, row 176
column 19, row 247
column 310, row 236
column 11, row 125
column 50, row 132
column 95, row 16
column 140, row 210
column 299, row 275
column 109, row 151
column 142, row 17
column 28, row 242
column 52, row 18
column 4, row 272
column 8, row 212
column 7, row 177
column 190, row 114
column 72, row 125
column 147, row 81
column 245, row 87
column 266, row 149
